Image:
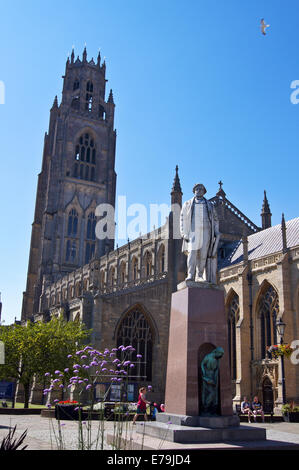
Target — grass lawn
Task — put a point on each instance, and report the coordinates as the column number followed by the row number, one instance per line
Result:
column 21, row 405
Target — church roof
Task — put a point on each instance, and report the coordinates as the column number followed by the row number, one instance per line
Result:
column 264, row 242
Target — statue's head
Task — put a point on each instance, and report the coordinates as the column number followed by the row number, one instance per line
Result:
column 199, row 190
column 218, row 352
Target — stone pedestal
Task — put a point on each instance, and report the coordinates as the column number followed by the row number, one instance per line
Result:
column 197, row 326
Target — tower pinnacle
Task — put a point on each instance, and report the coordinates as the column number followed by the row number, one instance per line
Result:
column 176, row 192
column 266, row 213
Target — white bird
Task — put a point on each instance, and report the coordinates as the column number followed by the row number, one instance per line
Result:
column 264, row 26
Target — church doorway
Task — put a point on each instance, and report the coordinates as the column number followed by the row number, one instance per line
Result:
column 268, row 398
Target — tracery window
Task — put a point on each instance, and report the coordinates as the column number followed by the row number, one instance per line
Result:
column 76, row 85
column 161, row 259
column 90, row 237
column 71, row 242
column 71, row 251
column 112, row 276
column 134, row 268
column 122, row 272
column 268, row 309
column 72, row 223
column 85, row 158
column 89, row 96
column 232, row 319
column 102, row 280
column 135, row 331
column 102, row 112
column 148, row 264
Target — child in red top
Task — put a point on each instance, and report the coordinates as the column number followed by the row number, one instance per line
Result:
column 141, row 405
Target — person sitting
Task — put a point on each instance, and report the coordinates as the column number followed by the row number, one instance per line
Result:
column 246, row 409
column 257, row 409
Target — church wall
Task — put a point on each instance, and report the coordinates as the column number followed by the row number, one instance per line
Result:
column 281, row 271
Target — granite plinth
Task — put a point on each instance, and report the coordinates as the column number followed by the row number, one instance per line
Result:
column 197, row 326
column 195, row 434
column 212, row 422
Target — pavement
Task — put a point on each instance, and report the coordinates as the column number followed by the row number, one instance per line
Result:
column 43, row 434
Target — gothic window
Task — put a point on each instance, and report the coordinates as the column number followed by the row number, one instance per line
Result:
column 90, row 237
column 102, row 280
column 268, row 309
column 102, row 112
column 76, row 85
column 112, row 276
column 161, row 259
column 122, row 273
column 76, row 102
column 72, row 223
column 71, row 251
column 148, row 264
column 134, row 268
column 135, row 331
column 89, row 96
column 91, row 227
column 89, row 252
column 85, row 158
column 72, row 232
column 233, row 317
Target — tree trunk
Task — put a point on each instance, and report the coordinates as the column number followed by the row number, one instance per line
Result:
column 26, row 394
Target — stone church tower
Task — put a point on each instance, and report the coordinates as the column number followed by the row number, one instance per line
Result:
column 77, row 175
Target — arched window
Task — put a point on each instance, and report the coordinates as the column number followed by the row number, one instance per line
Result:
column 102, row 280
column 122, row 273
column 135, row 331
column 102, row 112
column 112, row 276
column 147, row 264
column 85, row 158
column 71, row 251
column 90, row 237
column 76, row 84
column 89, row 252
column 268, row 309
column 161, row 259
column 232, row 319
column 72, row 223
column 76, row 102
column 89, row 96
column 71, row 237
column 91, row 227
column 134, row 268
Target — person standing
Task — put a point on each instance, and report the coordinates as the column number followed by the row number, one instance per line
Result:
column 141, row 404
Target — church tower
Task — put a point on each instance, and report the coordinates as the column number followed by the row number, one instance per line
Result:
column 77, row 175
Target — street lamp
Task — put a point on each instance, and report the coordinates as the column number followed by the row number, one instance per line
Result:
column 280, row 327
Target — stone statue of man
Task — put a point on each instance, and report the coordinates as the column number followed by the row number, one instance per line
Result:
column 199, row 228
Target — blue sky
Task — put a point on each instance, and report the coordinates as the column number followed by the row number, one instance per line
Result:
column 195, row 84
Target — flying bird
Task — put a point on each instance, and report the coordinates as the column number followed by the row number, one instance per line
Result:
column 264, row 26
